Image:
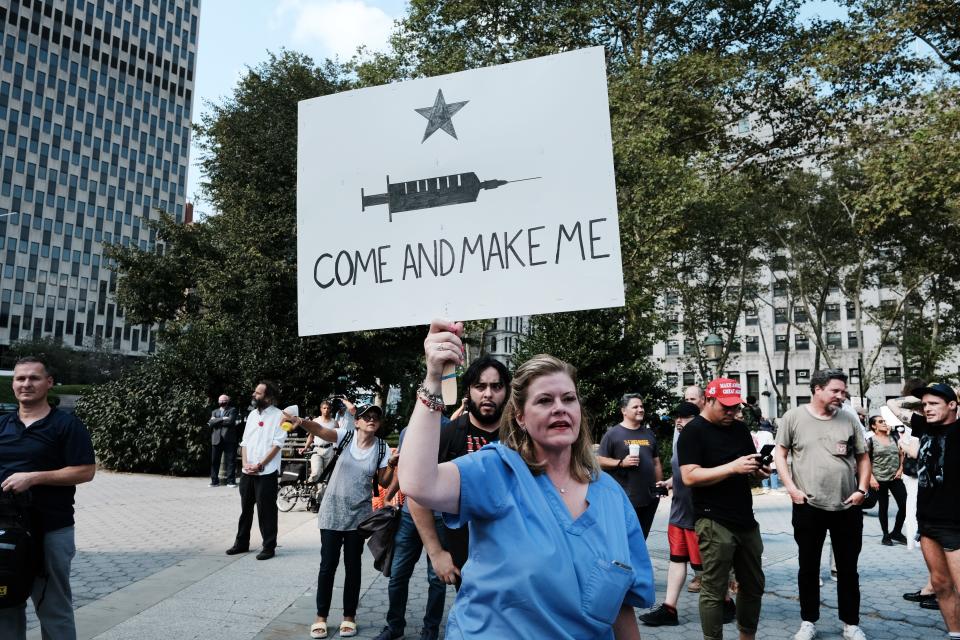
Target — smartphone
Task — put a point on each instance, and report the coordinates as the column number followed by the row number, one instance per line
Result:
column 766, row 454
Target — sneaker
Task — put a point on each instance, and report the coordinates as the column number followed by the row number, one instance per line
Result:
column 806, row 632
column 232, row 484
column 694, row 586
column 899, row 538
column 919, row 596
column 853, row 632
column 729, row 611
column 386, row 634
column 660, row 616
column 886, row 541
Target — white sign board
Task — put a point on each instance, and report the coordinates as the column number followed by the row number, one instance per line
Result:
column 479, row 194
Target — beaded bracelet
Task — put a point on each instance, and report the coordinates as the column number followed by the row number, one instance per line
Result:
column 430, row 401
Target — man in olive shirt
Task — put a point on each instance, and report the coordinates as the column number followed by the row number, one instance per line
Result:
column 827, row 481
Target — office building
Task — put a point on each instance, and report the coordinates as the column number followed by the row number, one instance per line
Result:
column 95, row 111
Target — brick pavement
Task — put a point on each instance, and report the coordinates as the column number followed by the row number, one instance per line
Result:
column 150, row 564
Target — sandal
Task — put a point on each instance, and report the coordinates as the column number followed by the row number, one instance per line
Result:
column 318, row 630
column 348, row 629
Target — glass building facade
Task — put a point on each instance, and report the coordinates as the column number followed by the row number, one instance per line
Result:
column 95, row 108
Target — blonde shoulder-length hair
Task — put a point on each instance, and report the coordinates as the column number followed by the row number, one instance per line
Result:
column 583, row 463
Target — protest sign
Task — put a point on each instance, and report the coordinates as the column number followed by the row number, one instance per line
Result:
column 479, row 194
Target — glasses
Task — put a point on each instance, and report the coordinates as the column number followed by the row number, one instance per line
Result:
column 481, row 387
column 370, row 418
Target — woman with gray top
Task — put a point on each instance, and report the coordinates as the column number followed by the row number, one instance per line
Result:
column 362, row 464
column 887, row 474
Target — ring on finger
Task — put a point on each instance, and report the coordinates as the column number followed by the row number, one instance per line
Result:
column 440, row 347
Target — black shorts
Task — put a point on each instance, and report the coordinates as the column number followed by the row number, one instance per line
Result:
column 946, row 535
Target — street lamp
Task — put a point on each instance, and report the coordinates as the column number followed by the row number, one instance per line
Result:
column 713, row 347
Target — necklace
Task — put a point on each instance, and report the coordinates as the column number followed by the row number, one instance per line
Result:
column 563, row 489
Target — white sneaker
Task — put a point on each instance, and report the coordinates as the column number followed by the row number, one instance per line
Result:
column 853, row 632
column 807, row 631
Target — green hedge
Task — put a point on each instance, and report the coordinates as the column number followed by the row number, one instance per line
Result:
column 148, row 422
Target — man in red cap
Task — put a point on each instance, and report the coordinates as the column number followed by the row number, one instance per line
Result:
column 717, row 456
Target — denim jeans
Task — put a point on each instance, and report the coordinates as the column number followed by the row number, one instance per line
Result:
column 52, row 599
column 773, row 482
column 407, row 547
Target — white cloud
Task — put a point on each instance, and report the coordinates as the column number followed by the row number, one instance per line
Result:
column 337, row 27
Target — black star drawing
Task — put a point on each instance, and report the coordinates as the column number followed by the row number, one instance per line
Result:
column 440, row 116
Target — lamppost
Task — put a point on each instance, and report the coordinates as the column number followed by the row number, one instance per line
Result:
column 713, row 347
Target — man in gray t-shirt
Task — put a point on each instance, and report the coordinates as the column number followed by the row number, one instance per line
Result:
column 827, row 481
column 641, row 473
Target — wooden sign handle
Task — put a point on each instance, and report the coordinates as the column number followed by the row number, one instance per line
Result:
column 448, row 384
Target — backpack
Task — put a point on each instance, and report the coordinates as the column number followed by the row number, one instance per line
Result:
column 19, row 551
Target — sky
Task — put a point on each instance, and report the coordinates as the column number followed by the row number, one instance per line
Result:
column 237, row 34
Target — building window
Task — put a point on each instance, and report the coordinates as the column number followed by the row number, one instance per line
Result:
column 780, row 315
column 750, row 317
column 832, row 312
column 753, row 344
column 854, row 377
column 735, row 346
column 780, row 342
column 801, row 400
column 673, row 380
column 891, row 375
column 834, row 339
column 689, row 347
column 851, row 310
column 734, row 374
column 852, row 341
column 781, row 376
column 799, row 314
column 743, row 125
column 671, row 298
column 801, row 342
column 673, row 347
column 780, row 288
column 803, row 376
column 493, row 344
column 689, row 378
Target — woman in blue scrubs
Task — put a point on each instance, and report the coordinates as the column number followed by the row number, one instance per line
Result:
column 556, row 550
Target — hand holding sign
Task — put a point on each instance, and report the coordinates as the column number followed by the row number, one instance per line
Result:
column 443, row 349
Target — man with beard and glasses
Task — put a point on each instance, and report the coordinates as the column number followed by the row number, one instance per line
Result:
column 260, row 451
column 938, row 485
column 827, row 479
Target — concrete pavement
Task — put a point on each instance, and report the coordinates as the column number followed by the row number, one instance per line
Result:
column 151, row 564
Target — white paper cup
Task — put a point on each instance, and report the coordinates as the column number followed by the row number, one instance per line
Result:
column 634, row 449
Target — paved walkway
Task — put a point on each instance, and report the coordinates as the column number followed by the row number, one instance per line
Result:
column 150, row 564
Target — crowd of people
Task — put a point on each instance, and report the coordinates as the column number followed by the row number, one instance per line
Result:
column 541, row 532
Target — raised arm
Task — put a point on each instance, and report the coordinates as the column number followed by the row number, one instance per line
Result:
column 313, row 428
column 435, row 486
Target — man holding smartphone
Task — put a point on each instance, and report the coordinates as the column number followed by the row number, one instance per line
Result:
column 827, row 481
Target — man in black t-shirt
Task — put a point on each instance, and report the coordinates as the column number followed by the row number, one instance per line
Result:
column 640, row 473
column 938, row 485
column 716, row 456
column 45, row 452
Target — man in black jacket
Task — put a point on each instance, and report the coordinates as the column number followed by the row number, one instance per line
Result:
column 223, row 438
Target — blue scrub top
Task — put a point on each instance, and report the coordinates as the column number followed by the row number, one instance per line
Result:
column 533, row 571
